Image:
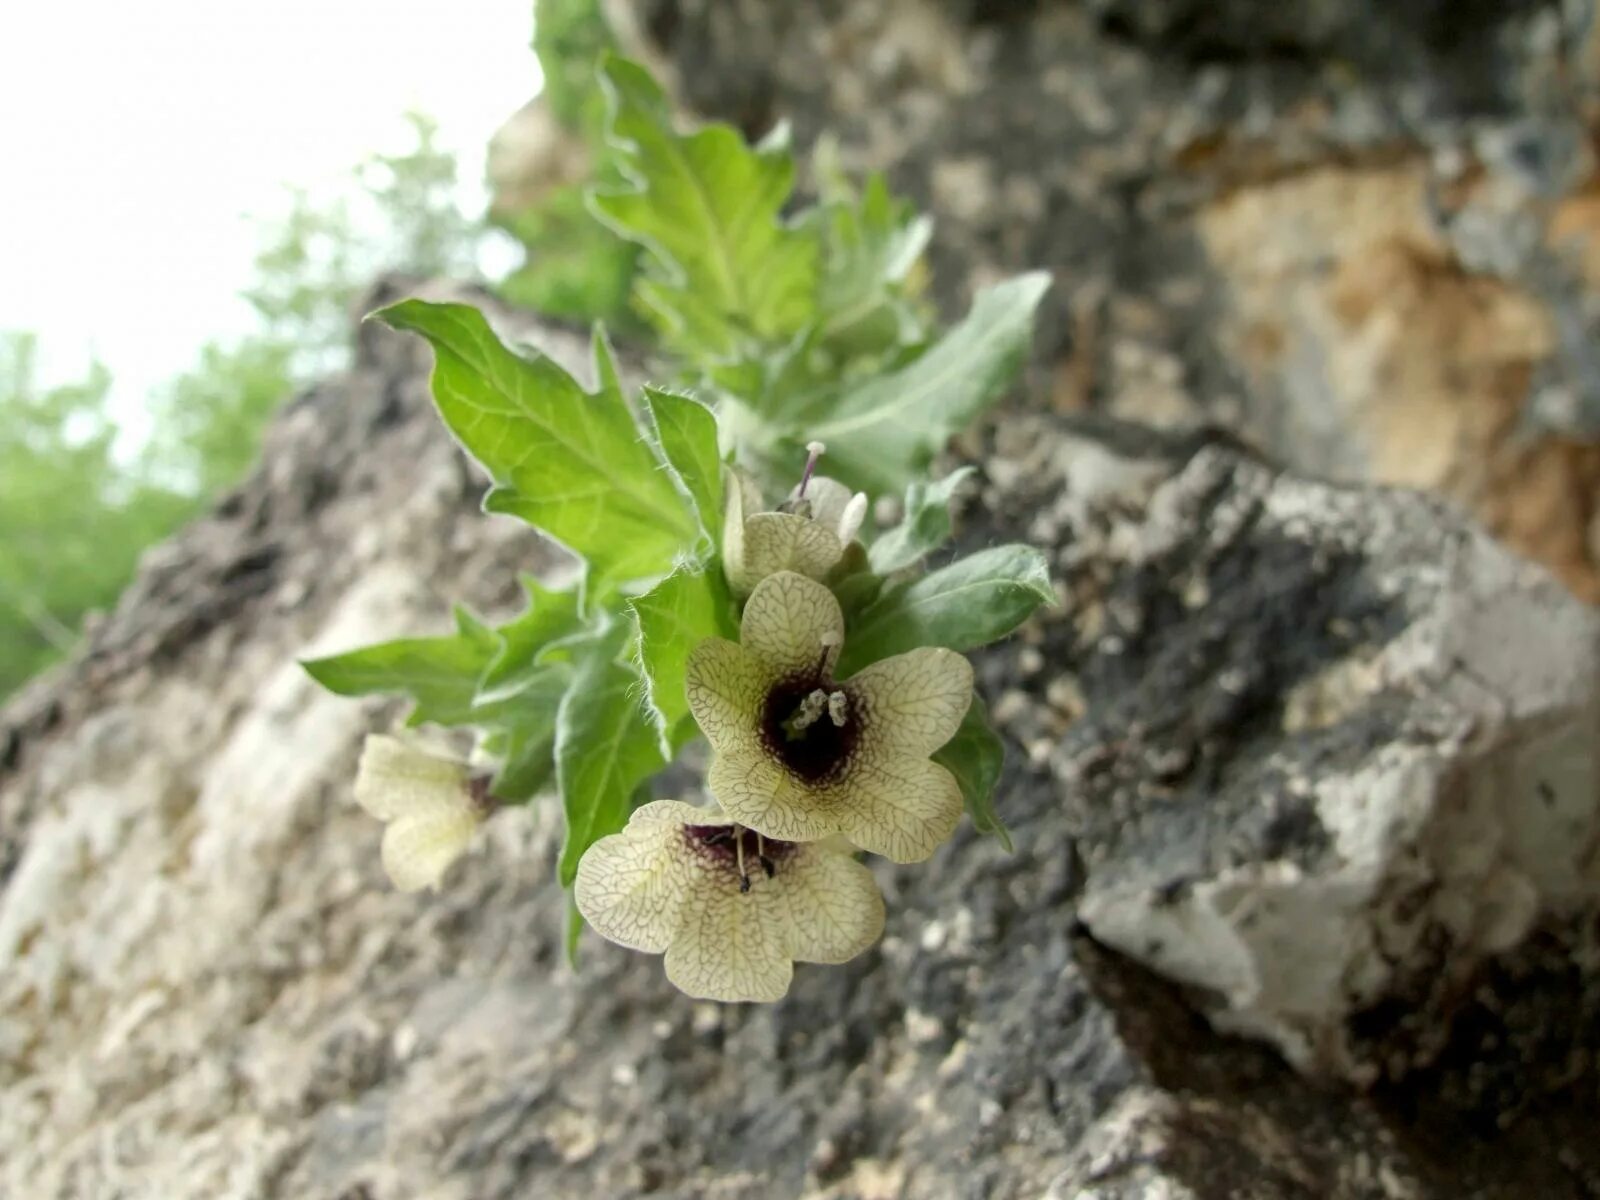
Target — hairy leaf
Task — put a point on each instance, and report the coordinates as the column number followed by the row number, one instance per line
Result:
column 440, row 674
column 550, row 615
column 973, row 601
column 707, row 207
column 880, row 434
column 687, row 433
column 688, row 606
column 975, row 756
column 606, row 745
column 924, row 528
column 870, row 243
column 522, row 732
column 568, row 462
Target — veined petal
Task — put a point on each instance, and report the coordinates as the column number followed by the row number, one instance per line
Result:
column 757, row 792
column 394, row 778
column 792, row 624
column 631, row 885
column 725, row 683
column 419, row 847
column 900, row 807
column 832, row 904
column 779, row 541
column 912, row 703
column 730, row 945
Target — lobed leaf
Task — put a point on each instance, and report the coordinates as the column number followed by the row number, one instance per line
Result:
column 606, row 745
column 550, row 615
column 569, row 462
column 439, row 674
column 708, row 208
column 522, row 733
column 686, row 431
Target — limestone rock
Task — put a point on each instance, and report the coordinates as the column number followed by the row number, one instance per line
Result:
column 1338, row 750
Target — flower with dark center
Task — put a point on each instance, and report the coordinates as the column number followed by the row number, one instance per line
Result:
column 731, row 910
column 430, row 803
column 799, row 755
column 808, row 532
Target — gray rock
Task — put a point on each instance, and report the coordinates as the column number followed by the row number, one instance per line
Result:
column 1339, row 749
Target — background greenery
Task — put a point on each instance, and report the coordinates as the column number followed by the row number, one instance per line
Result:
column 78, row 505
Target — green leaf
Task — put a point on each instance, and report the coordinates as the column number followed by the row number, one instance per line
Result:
column 974, row 756
column 973, row 601
column 682, row 610
column 924, row 528
column 880, row 434
column 522, row 731
column 606, row 746
column 870, row 244
column 707, row 207
column 607, row 377
column 439, row 673
column 687, row 433
column 550, row 615
column 568, row 462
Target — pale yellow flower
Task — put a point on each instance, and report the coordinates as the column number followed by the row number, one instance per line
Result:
column 808, row 533
column 430, row 805
column 731, row 911
column 799, row 756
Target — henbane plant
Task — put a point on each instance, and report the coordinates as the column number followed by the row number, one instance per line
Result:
column 733, row 587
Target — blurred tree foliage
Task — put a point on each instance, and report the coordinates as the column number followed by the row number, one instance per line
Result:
column 73, row 520
column 76, row 510
column 314, row 261
column 575, row 266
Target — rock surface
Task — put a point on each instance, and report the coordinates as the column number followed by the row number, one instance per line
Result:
column 209, row 990
column 1336, row 751
column 1363, row 236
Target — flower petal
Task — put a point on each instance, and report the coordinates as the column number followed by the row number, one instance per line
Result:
column 419, row 848
column 792, row 624
column 831, row 504
column 757, row 792
column 832, row 903
column 912, row 703
column 730, row 945
column 778, row 541
column 725, row 686
column 631, row 885
column 394, row 778
column 900, row 807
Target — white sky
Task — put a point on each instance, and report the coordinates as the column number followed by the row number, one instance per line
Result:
column 136, row 137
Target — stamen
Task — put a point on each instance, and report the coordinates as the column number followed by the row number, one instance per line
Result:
column 838, row 709
column 807, row 714
column 814, row 451
column 738, row 851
